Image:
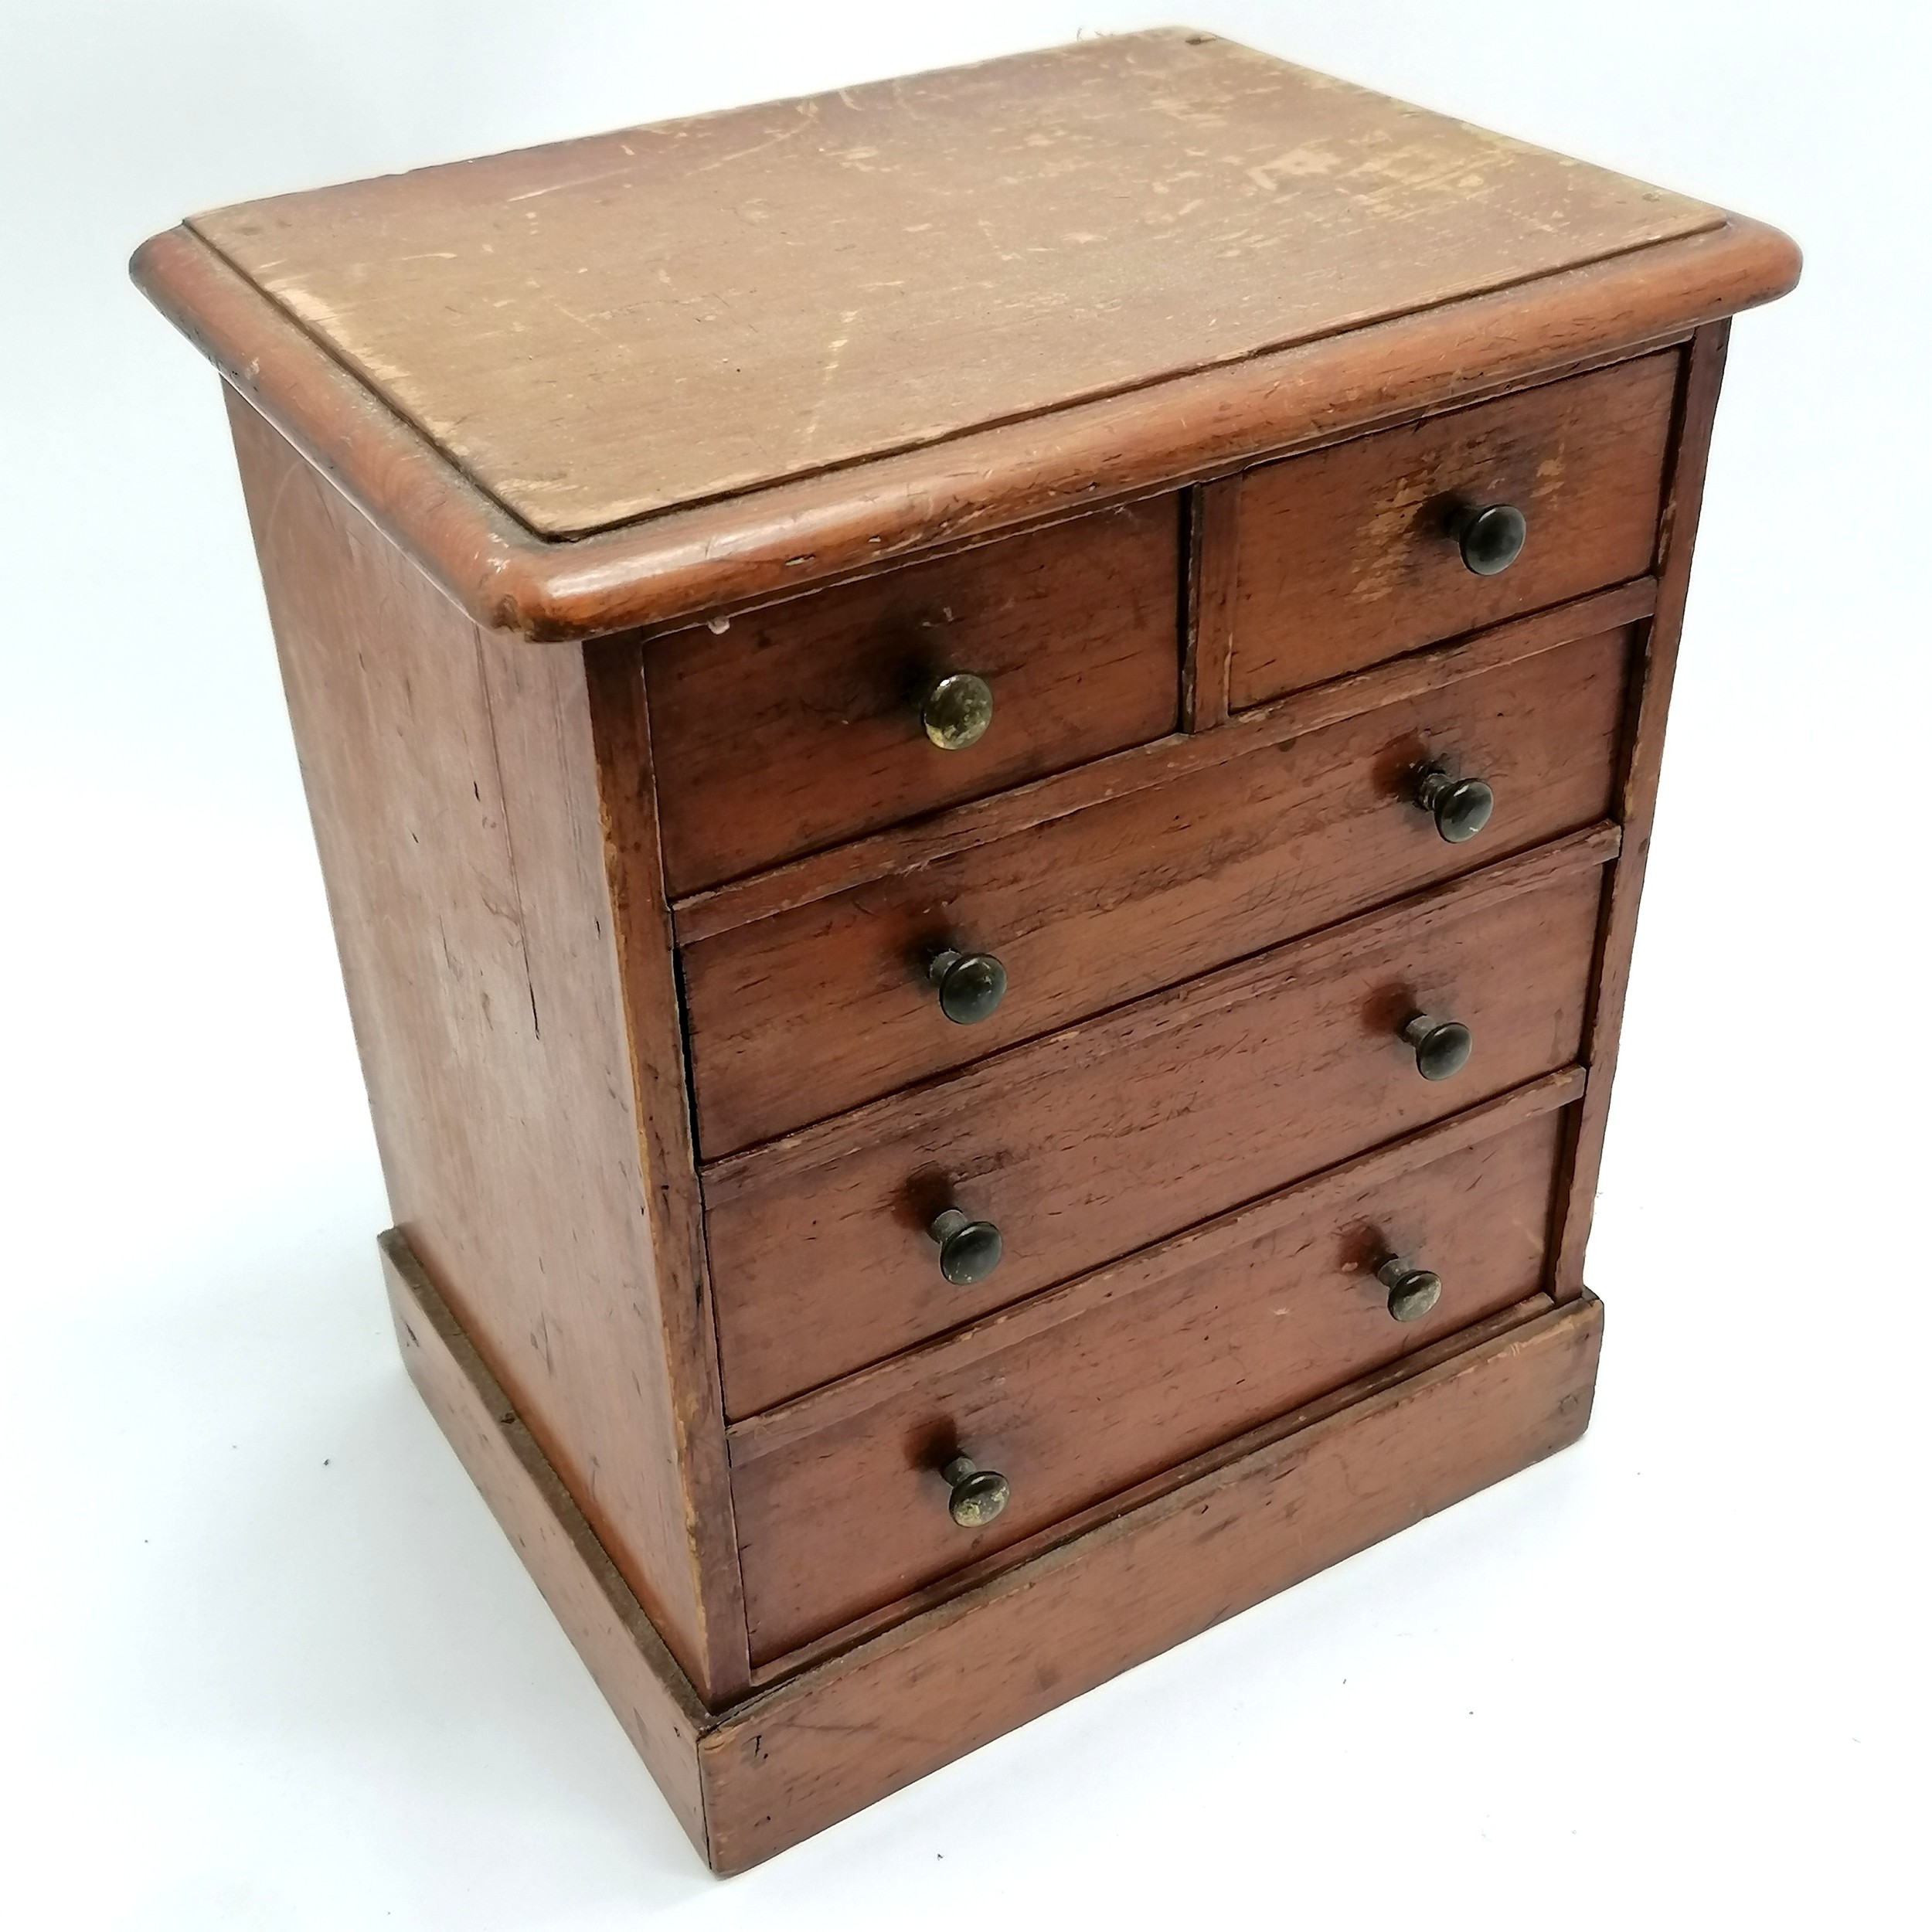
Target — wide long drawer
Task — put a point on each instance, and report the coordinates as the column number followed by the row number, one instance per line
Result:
column 840, row 1504
column 804, row 1014
column 1106, row 1137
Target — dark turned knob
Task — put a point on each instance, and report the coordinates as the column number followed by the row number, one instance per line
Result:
column 1461, row 806
column 1490, row 536
column 956, row 710
column 1413, row 1292
column 978, row 1495
column 970, row 985
column 969, row 1251
column 1442, row 1046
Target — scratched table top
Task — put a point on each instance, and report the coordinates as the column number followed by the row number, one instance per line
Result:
column 603, row 329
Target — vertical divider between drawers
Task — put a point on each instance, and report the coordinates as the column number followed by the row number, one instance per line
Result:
column 1211, row 553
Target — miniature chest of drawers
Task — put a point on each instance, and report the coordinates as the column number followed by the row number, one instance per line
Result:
column 983, row 751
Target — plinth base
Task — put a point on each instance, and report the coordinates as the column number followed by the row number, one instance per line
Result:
column 1204, row 1540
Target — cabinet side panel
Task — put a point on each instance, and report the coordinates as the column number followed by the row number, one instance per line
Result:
column 485, row 999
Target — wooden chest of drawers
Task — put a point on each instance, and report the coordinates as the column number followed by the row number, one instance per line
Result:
column 983, row 751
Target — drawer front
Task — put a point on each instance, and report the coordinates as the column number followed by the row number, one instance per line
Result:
column 1348, row 556
column 1137, row 1371
column 1097, row 1141
column 800, row 1016
column 799, row 726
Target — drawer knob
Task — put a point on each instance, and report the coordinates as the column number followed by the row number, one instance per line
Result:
column 978, row 1495
column 1413, row 1292
column 1490, row 536
column 1442, row 1046
column 1461, row 807
column 969, row 1251
column 970, row 986
column 956, row 710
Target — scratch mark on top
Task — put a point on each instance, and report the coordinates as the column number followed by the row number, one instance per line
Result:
column 834, row 349
column 807, row 114
column 558, row 187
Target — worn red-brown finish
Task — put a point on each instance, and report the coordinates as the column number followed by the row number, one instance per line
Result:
column 1347, row 557
column 453, row 787
column 489, row 354
column 605, row 329
column 972, row 1658
column 799, row 726
column 1056, row 1395
column 920, row 843
column 812, row 1011
column 607, row 556
column 1092, row 1142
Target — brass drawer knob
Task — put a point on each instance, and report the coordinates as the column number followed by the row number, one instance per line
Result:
column 1461, row 807
column 1442, row 1047
column 969, row 1251
column 1490, row 536
column 956, row 710
column 1413, row 1292
column 970, row 985
column 978, row 1495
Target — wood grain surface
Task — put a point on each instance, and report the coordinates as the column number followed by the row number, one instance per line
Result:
column 1125, row 1384
column 1098, row 1140
column 1250, row 1518
column 718, row 558
column 922, row 842
column 1140, row 377
column 1205, row 1541
column 602, row 328
column 792, row 1424
column 1214, row 565
column 1346, row 557
column 452, row 783
column 671, row 1210
column 810, row 1012
column 799, row 726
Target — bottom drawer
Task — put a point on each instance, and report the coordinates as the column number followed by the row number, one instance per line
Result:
column 1093, row 1387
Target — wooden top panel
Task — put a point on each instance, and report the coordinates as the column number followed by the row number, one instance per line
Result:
column 605, row 329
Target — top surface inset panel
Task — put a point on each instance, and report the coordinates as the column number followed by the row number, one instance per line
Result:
column 605, row 329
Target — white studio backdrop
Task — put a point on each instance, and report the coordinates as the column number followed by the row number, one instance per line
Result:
column 266, row 1662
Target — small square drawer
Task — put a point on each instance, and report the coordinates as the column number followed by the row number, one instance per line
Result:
column 840, row 1503
column 1360, row 552
column 814, row 721
column 841, row 1246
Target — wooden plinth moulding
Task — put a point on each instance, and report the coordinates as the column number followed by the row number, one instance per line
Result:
column 1219, row 1534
